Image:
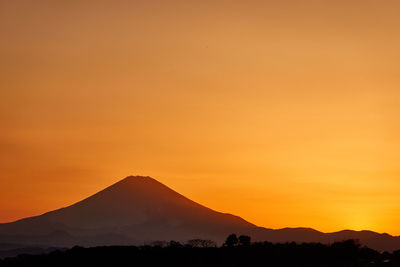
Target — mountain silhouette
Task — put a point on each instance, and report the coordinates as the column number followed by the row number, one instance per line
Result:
column 140, row 210
column 136, row 209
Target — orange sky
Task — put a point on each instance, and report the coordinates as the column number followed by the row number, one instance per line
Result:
column 285, row 113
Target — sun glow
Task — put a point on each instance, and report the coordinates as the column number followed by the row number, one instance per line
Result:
column 282, row 112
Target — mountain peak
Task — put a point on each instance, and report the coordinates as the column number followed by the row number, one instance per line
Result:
column 138, row 177
column 143, row 186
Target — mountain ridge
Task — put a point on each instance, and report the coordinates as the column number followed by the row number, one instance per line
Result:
column 140, row 209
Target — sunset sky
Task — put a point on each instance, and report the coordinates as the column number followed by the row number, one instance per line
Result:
column 286, row 113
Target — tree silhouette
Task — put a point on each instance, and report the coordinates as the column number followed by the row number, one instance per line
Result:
column 201, row 243
column 174, row 244
column 244, row 240
column 345, row 253
column 231, row 240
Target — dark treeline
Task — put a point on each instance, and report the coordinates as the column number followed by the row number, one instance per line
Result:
column 237, row 251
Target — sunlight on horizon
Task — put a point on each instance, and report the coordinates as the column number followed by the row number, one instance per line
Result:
column 284, row 113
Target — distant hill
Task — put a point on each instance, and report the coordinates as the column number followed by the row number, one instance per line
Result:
column 139, row 210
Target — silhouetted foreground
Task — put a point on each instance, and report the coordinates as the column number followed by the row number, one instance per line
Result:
column 235, row 252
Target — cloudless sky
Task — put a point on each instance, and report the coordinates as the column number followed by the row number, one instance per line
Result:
column 286, row 113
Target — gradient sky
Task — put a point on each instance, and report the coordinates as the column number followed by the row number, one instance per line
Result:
column 286, row 113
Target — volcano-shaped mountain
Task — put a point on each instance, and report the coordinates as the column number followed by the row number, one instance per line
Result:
column 134, row 210
column 139, row 210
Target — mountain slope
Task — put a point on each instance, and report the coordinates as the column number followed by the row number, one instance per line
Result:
column 139, row 210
